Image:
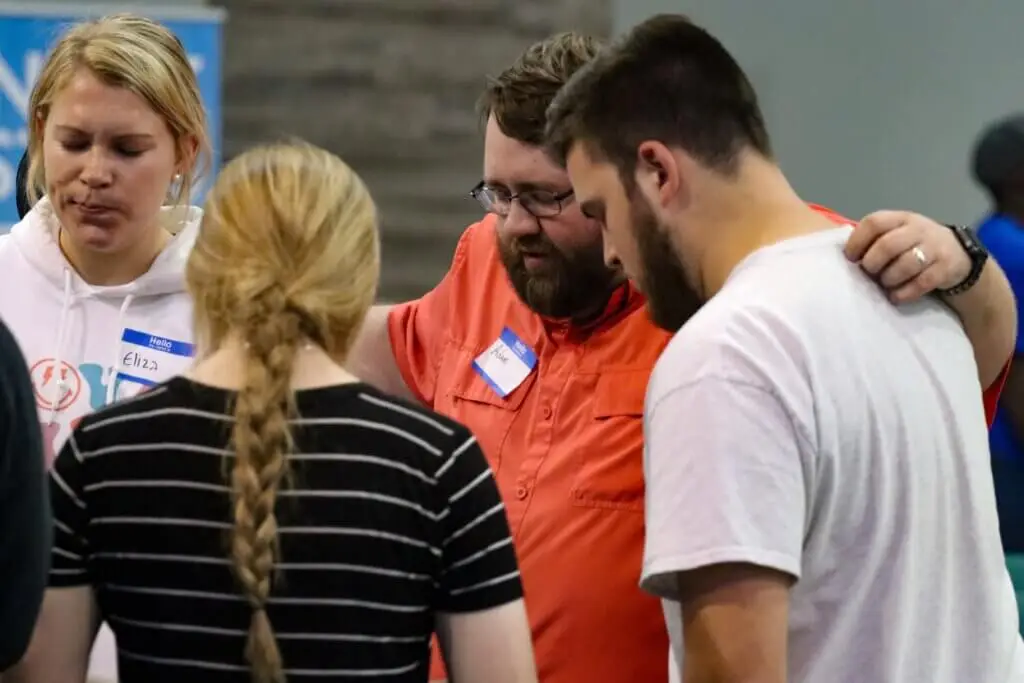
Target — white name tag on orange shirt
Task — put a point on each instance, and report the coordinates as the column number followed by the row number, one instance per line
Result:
column 506, row 363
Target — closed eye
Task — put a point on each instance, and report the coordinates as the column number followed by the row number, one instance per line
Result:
column 593, row 210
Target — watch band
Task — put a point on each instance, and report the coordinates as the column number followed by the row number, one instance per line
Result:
column 977, row 254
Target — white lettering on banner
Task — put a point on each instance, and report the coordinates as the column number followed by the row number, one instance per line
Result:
column 8, row 179
column 13, row 137
column 18, row 91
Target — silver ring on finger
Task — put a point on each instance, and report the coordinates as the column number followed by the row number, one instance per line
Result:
column 920, row 256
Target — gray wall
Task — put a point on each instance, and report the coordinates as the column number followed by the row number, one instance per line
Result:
column 872, row 104
column 390, row 85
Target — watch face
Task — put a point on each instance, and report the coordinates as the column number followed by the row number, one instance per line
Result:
column 977, row 254
column 969, row 240
column 975, row 244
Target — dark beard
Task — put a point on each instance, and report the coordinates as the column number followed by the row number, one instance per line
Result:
column 671, row 299
column 575, row 285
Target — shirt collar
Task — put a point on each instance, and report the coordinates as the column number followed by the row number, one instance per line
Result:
column 624, row 300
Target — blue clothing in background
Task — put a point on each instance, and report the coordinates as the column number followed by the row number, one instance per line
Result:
column 1004, row 238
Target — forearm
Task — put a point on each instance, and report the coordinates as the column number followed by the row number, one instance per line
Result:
column 372, row 357
column 988, row 312
column 62, row 640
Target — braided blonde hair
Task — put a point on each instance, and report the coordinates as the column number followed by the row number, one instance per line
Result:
column 288, row 255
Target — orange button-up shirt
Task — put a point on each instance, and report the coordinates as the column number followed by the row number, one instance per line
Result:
column 566, row 447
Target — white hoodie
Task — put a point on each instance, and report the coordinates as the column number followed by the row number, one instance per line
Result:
column 109, row 341
column 136, row 334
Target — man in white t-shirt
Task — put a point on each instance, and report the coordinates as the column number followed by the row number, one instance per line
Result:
column 820, row 504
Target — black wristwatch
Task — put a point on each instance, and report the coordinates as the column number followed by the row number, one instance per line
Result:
column 978, row 254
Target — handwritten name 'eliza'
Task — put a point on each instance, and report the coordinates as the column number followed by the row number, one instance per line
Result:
column 134, row 359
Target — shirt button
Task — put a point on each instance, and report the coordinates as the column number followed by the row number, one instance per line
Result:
column 522, row 492
column 546, row 412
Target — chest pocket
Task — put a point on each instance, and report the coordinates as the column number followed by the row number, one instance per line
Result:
column 610, row 463
column 474, row 403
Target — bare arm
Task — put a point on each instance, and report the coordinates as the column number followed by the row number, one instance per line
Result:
column 372, row 358
column 735, row 621
column 729, row 566
column 491, row 646
column 988, row 312
column 62, row 639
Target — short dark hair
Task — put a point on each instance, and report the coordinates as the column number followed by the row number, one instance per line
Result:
column 998, row 160
column 519, row 96
column 668, row 80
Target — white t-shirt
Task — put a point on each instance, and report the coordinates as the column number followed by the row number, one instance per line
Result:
column 802, row 422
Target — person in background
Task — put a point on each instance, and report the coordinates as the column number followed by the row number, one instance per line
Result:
column 355, row 524
column 998, row 165
column 545, row 353
column 97, row 300
column 819, row 497
column 25, row 521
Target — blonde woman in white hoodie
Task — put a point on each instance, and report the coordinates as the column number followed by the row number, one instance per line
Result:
column 93, row 276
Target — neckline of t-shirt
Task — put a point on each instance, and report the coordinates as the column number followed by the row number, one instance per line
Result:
column 333, row 391
column 812, row 240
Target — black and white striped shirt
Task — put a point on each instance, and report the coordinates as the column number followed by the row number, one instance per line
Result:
column 393, row 515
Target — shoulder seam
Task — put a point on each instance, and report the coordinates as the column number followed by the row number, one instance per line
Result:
column 746, row 384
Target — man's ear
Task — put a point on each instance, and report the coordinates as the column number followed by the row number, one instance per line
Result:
column 658, row 173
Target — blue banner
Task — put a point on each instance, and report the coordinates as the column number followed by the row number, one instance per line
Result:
column 26, row 36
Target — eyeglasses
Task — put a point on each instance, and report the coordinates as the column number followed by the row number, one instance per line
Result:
column 538, row 203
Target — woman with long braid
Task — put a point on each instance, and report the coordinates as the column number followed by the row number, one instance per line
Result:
column 269, row 517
